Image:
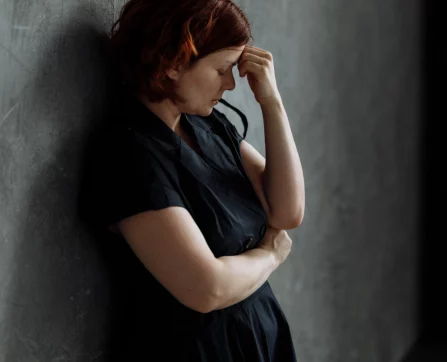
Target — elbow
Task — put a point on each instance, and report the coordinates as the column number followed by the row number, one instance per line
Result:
column 217, row 295
column 204, row 308
column 286, row 222
column 288, row 225
column 211, row 305
column 296, row 219
column 210, row 298
column 296, row 222
column 204, row 303
column 207, row 304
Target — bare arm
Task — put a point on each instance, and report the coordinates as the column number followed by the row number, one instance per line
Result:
column 241, row 275
column 280, row 187
column 283, row 174
column 172, row 247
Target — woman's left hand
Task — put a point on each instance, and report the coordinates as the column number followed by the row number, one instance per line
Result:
column 257, row 64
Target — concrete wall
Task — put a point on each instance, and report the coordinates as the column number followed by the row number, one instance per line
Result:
column 53, row 284
column 348, row 73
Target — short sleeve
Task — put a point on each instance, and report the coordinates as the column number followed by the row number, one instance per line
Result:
column 125, row 182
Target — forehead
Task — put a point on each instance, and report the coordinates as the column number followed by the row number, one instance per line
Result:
column 230, row 55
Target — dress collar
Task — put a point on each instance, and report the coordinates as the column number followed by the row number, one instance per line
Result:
column 137, row 116
column 146, row 122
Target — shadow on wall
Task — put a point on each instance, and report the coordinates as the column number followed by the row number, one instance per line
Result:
column 61, row 295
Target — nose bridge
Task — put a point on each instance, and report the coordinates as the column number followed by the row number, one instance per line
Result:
column 230, row 82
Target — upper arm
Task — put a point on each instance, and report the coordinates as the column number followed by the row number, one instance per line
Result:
column 171, row 246
column 131, row 195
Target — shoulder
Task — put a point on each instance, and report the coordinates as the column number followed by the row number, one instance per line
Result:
column 119, row 158
column 119, row 142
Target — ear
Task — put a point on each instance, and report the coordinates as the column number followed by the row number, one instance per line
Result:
column 175, row 73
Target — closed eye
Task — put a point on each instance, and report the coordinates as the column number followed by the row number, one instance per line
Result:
column 222, row 72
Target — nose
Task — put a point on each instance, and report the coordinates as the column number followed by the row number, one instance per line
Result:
column 229, row 83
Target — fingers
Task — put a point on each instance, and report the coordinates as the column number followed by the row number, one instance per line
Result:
column 252, row 62
column 255, row 55
column 258, row 51
column 250, row 67
column 254, row 58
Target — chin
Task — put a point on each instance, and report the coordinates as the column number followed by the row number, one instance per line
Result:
column 210, row 110
column 206, row 112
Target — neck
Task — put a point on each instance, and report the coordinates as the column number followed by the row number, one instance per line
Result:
column 166, row 111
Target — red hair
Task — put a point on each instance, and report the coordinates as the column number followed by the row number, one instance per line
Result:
column 151, row 36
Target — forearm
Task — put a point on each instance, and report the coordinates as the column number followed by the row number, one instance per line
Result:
column 241, row 275
column 283, row 175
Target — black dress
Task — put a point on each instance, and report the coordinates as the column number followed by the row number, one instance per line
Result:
column 143, row 165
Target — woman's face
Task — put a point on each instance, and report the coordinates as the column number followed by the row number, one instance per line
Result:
column 206, row 82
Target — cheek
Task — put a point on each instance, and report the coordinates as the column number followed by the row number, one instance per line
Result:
column 203, row 87
column 209, row 88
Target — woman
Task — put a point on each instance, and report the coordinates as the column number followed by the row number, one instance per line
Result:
column 200, row 209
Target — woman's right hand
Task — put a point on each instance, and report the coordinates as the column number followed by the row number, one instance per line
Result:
column 277, row 242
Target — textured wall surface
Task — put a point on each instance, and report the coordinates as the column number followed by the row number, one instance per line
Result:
column 348, row 73
column 53, row 285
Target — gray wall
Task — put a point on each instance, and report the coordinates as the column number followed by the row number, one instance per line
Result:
column 348, row 73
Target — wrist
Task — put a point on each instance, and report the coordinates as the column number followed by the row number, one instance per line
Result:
column 274, row 101
column 271, row 256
